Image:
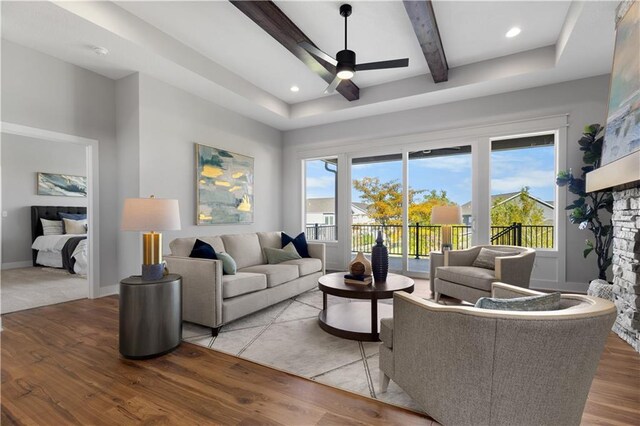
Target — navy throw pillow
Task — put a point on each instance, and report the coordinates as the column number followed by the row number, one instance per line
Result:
column 299, row 242
column 202, row 250
column 72, row 216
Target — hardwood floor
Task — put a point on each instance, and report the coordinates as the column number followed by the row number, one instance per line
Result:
column 60, row 365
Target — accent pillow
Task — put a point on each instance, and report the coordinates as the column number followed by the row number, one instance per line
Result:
column 487, row 257
column 299, row 242
column 543, row 302
column 73, row 216
column 275, row 256
column 51, row 227
column 202, row 250
column 229, row 266
column 74, row 226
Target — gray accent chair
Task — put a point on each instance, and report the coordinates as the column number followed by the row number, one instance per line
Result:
column 457, row 278
column 469, row 366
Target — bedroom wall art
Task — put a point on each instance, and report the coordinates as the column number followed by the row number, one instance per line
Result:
column 224, row 186
column 62, row 185
column 622, row 133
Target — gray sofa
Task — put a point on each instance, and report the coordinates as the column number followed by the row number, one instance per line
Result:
column 212, row 299
column 456, row 277
column 469, row 366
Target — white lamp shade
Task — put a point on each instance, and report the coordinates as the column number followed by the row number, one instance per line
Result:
column 446, row 215
column 150, row 214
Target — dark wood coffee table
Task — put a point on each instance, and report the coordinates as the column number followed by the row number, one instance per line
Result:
column 358, row 320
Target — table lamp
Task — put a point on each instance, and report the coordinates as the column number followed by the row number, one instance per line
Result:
column 150, row 215
column 446, row 216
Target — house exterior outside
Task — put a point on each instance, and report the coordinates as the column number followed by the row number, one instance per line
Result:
column 322, row 211
column 547, row 207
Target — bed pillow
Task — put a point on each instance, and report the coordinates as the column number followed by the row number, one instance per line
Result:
column 543, row 302
column 299, row 242
column 229, row 266
column 78, row 227
column 73, row 216
column 275, row 256
column 51, row 227
column 202, row 250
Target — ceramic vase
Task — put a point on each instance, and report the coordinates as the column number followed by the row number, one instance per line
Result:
column 360, row 265
column 380, row 259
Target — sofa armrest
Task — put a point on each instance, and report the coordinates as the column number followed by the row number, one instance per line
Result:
column 318, row 251
column 201, row 289
column 461, row 257
column 516, row 270
column 507, row 291
column 436, row 258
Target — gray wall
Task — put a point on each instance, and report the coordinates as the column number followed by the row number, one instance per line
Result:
column 584, row 100
column 22, row 158
column 44, row 92
column 171, row 122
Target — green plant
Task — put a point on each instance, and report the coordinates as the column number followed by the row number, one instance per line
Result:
column 586, row 210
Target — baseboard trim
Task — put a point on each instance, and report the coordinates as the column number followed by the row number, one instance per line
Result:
column 109, row 290
column 567, row 287
column 16, row 265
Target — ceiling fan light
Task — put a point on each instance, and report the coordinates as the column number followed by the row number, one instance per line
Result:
column 345, row 74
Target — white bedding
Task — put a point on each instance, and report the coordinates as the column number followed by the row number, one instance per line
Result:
column 50, row 248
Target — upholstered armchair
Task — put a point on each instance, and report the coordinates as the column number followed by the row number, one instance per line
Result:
column 457, row 277
column 470, row 366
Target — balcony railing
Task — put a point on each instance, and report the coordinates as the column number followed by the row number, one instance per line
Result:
column 426, row 238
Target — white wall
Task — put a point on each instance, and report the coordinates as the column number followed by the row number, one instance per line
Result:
column 171, row 121
column 583, row 100
column 43, row 92
column 22, row 159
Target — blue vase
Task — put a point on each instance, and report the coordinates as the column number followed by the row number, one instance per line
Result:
column 379, row 260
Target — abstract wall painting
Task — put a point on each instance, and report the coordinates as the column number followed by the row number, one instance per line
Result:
column 622, row 133
column 62, row 185
column 224, row 186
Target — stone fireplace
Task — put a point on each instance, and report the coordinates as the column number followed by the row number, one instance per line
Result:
column 626, row 263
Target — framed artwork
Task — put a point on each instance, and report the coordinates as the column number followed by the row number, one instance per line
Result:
column 62, row 185
column 622, row 132
column 224, row 186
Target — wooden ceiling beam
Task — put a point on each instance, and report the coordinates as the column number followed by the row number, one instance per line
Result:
column 425, row 26
column 270, row 18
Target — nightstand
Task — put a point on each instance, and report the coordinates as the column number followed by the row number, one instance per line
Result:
column 150, row 316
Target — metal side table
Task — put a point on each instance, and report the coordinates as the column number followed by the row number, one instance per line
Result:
column 150, row 316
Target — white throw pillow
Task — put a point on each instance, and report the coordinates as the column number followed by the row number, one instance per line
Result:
column 75, row 226
column 51, row 227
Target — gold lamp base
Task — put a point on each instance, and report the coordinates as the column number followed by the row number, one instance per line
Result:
column 152, row 268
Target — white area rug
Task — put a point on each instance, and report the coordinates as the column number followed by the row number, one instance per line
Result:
column 27, row 288
column 287, row 336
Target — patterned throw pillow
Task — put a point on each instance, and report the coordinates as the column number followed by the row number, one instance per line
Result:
column 487, row 257
column 275, row 256
column 51, row 227
column 543, row 302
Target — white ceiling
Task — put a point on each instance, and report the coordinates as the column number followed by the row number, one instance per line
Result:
column 211, row 49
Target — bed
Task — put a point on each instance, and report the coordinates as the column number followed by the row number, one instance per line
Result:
column 68, row 251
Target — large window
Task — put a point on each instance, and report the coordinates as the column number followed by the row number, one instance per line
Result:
column 321, row 178
column 523, row 191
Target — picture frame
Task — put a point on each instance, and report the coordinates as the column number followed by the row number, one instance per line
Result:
column 62, row 185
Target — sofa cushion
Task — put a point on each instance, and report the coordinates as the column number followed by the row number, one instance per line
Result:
column 244, row 248
column 541, row 302
column 386, row 332
column 242, row 283
column 276, row 274
column 305, row 266
column 183, row 246
column 469, row 276
column 269, row 239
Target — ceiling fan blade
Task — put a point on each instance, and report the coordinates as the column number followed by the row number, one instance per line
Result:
column 317, row 52
column 332, row 87
column 394, row 63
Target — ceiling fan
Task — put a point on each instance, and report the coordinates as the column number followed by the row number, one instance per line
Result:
column 345, row 61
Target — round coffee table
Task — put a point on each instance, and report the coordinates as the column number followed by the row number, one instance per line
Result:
column 358, row 320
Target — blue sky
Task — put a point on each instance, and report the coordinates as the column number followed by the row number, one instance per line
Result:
column 510, row 171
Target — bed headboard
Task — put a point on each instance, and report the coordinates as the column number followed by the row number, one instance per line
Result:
column 50, row 213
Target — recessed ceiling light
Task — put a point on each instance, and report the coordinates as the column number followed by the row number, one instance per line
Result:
column 100, row 51
column 295, row 89
column 513, row 32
